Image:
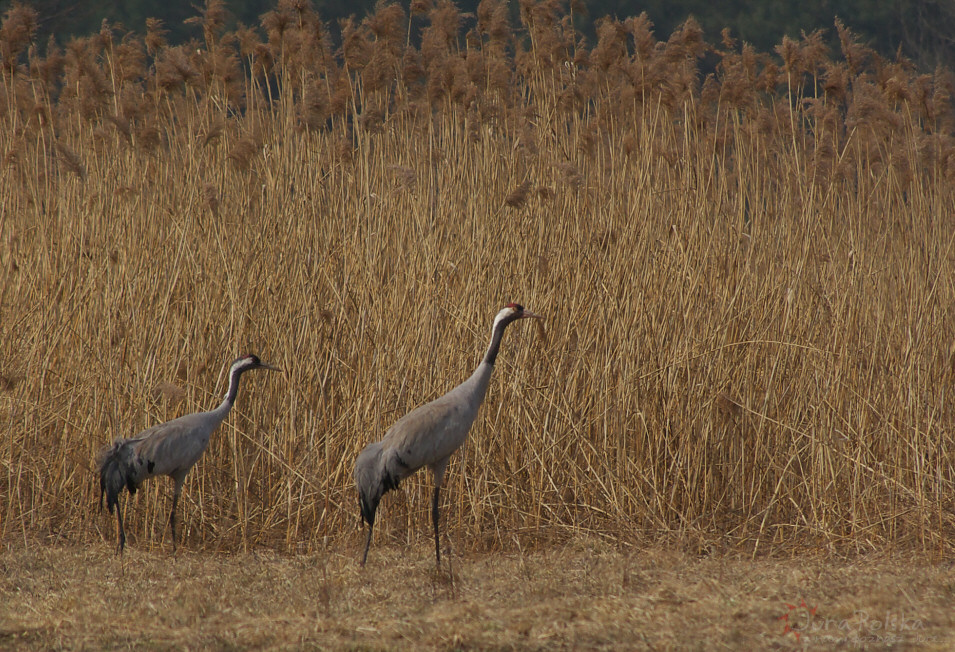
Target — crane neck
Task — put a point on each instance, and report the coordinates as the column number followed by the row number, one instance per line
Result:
column 229, row 400
column 496, row 334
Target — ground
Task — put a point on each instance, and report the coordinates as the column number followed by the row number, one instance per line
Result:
column 584, row 594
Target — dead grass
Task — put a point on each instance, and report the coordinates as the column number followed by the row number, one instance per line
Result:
column 747, row 277
column 583, row 595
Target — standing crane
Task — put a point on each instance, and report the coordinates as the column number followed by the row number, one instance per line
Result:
column 171, row 448
column 428, row 435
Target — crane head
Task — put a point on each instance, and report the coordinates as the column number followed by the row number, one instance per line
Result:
column 251, row 361
column 513, row 312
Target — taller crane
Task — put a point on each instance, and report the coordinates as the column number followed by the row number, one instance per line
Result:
column 428, row 435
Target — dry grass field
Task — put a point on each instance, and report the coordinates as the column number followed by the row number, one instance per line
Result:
column 583, row 595
column 745, row 261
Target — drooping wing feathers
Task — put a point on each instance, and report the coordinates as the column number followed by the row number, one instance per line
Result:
column 117, row 468
column 371, row 482
column 170, row 448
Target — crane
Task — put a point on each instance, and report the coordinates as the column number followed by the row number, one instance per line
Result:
column 428, row 435
column 171, row 448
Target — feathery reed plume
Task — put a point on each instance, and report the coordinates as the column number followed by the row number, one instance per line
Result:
column 547, row 47
column 212, row 132
column 791, row 54
column 357, row 47
column 421, row 7
column 493, row 23
column 736, row 88
column 313, row 110
column 155, row 39
column 571, row 175
column 224, row 66
column 440, row 36
column 85, row 85
column 726, row 38
column 893, row 78
column 263, row 62
column 388, row 24
column 528, row 139
column 944, row 96
column 174, row 69
column 868, row 108
column 835, row 80
column 212, row 20
column 210, row 198
column 147, row 137
column 412, row 70
column 122, row 126
column 276, row 22
column 518, row 196
column 341, row 95
column 439, row 49
column 16, row 32
column 611, row 46
column 686, row 42
column 49, row 69
column 856, row 55
column 244, row 151
column 372, row 119
column 640, row 29
column 248, row 39
column 71, row 160
column 768, row 77
column 130, row 59
column 172, row 393
column 379, row 72
column 813, row 51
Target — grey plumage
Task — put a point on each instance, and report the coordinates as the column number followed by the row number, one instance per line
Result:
column 171, row 448
column 427, row 436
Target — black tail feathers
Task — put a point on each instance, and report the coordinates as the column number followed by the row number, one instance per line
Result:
column 117, row 469
column 373, row 479
column 370, row 491
column 368, row 508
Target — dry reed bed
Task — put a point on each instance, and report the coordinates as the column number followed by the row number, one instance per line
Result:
column 747, row 277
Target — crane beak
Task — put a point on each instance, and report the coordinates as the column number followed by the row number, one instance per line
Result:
column 528, row 313
column 268, row 366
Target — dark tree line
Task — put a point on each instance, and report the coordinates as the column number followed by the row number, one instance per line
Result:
column 920, row 30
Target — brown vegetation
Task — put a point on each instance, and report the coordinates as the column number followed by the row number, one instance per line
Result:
column 747, row 276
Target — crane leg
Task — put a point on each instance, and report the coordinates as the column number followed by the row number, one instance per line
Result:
column 120, row 531
column 367, row 544
column 172, row 515
column 434, row 519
